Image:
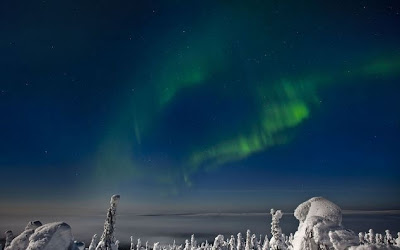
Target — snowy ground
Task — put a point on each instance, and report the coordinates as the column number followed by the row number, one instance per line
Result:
column 165, row 228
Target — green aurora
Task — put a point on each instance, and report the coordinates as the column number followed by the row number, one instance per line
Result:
column 281, row 107
column 203, row 59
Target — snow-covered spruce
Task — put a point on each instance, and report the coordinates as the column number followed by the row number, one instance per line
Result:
column 93, row 243
column 239, row 241
column 107, row 240
column 277, row 241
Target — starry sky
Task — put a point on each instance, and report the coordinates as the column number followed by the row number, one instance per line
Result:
column 200, row 105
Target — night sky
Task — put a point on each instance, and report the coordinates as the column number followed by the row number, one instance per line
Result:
column 200, row 105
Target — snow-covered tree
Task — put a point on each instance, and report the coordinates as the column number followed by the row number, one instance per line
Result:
column 266, row 243
column 155, row 245
column 218, row 242
column 193, row 243
column 132, row 243
column 361, row 238
column 259, row 243
column 107, row 240
column 290, row 241
column 277, row 242
column 248, row 240
column 93, row 242
column 398, row 239
column 139, row 244
column 232, row 244
column 388, row 238
column 187, row 245
column 239, row 242
column 379, row 238
column 253, row 242
column 371, row 236
column 9, row 237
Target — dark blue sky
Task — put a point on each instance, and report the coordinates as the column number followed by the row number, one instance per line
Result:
column 240, row 104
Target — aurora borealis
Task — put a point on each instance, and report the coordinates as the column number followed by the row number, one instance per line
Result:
column 182, row 101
